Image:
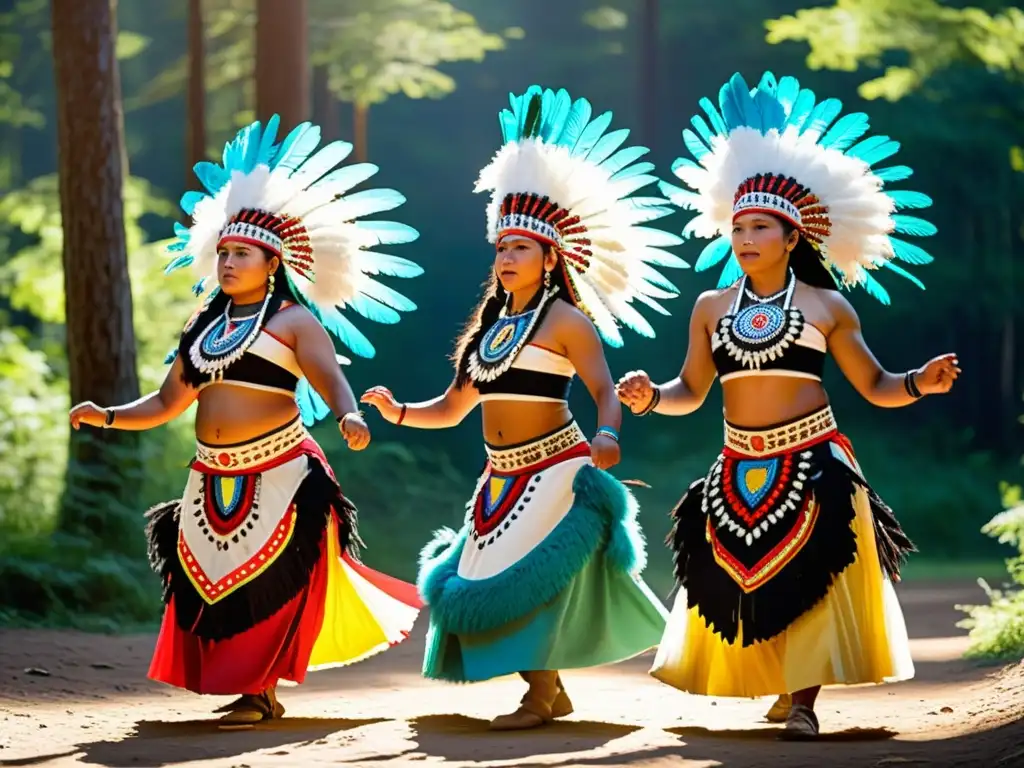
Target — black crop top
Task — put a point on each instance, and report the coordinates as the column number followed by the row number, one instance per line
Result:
column 268, row 364
column 767, row 337
column 505, row 365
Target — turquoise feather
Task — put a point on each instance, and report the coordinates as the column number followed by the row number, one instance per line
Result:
column 822, row 116
column 312, row 406
column 731, row 273
column 875, row 289
column 906, row 199
column 395, row 266
column 390, row 232
column 591, row 135
column 713, row 253
column 623, row 158
column 845, row 131
column 912, row 225
column 910, row 253
column 189, row 200
column 892, row 266
column 373, row 310
column 895, row 173
column 713, row 115
column 702, row 129
column 779, row 105
column 179, row 263
column 636, row 169
column 606, row 146
column 693, row 143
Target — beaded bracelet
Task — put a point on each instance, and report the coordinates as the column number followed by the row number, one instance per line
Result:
column 608, row 432
column 910, row 385
column 655, row 399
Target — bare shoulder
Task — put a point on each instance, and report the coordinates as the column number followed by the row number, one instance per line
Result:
column 295, row 318
column 566, row 326
column 714, row 303
column 835, row 304
column 568, row 317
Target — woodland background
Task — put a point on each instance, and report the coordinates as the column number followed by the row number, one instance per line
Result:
column 87, row 313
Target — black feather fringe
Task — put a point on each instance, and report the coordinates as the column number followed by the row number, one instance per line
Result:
column 804, row 581
column 262, row 597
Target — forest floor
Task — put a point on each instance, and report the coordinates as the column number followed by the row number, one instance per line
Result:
column 72, row 699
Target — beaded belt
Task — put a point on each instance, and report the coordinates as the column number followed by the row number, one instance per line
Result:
column 523, row 456
column 807, row 430
column 256, row 452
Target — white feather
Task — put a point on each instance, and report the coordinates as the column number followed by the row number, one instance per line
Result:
column 859, row 211
column 620, row 249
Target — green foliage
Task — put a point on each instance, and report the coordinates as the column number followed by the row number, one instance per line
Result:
column 33, row 278
column 379, row 48
column 997, row 629
column 932, row 36
column 33, row 438
column 373, row 49
column 606, row 19
column 20, row 29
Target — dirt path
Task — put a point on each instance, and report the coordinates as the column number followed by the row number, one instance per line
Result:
column 95, row 707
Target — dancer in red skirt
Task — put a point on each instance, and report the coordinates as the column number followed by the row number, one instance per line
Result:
column 259, row 557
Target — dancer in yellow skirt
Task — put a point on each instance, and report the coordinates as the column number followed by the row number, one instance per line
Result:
column 784, row 555
column 259, row 556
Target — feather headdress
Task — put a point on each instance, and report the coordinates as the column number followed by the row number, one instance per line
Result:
column 562, row 178
column 292, row 198
column 776, row 149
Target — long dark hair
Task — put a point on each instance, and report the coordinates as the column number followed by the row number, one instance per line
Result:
column 487, row 310
column 806, row 263
column 215, row 307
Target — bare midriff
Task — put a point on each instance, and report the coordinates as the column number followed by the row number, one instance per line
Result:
column 229, row 414
column 510, row 422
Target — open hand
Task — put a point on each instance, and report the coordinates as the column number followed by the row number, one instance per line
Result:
column 382, row 399
column 604, row 452
column 88, row 413
column 936, row 377
column 635, row 390
column 355, row 431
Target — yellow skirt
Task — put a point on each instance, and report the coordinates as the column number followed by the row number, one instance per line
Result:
column 855, row 635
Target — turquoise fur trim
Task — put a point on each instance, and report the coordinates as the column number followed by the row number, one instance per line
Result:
column 604, row 513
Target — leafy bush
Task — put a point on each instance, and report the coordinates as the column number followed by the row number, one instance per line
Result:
column 33, row 438
column 997, row 629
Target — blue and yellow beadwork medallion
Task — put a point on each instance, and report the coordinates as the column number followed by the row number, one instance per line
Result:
column 504, row 336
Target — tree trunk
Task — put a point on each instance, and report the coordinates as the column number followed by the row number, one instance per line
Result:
column 325, row 106
column 98, row 298
column 282, row 62
column 196, row 98
column 648, row 89
column 360, row 117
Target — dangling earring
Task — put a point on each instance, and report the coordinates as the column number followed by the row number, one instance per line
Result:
column 270, row 283
column 547, row 279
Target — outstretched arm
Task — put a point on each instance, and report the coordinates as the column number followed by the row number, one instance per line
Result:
column 866, row 374
column 152, row 410
column 686, row 392
column 446, row 410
